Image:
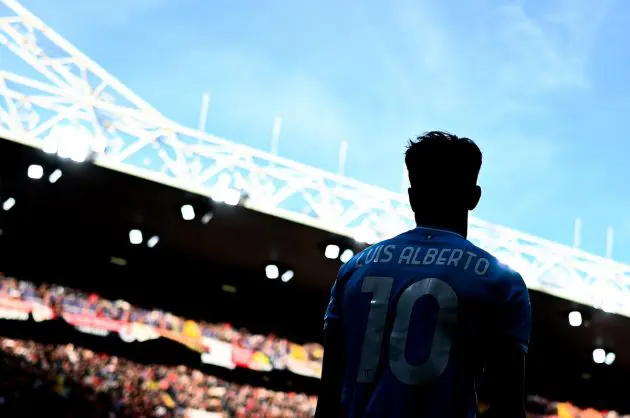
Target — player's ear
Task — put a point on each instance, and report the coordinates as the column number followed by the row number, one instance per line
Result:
column 474, row 198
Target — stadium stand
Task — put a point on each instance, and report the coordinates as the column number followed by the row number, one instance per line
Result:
column 221, row 344
column 199, row 278
column 65, row 377
column 75, row 348
column 74, row 379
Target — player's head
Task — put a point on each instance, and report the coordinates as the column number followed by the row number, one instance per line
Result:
column 443, row 171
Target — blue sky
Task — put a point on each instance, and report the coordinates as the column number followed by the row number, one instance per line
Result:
column 542, row 85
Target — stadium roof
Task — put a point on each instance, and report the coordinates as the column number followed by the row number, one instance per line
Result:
column 113, row 203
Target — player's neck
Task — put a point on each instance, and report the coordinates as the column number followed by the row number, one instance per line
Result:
column 457, row 224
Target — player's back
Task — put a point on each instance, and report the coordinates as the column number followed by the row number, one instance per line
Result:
column 417, row 312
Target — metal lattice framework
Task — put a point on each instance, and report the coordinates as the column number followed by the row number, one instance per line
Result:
column 66, row 93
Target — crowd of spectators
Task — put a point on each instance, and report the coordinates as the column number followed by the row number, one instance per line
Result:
column 83, row 383
column 68, row 381
column 63, row 299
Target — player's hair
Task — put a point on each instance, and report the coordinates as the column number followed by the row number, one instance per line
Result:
column 442, row 159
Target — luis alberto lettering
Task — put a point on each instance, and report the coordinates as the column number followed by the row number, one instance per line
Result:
column 414, row 255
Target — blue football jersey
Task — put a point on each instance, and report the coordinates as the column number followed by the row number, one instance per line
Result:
column 418, row 313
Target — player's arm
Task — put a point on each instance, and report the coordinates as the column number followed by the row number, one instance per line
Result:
column 505, row 382
column 329, row 400
column 505, row 365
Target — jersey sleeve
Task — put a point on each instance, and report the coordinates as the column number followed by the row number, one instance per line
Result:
column 514, row 314
column 332, row 310
column 334, row 304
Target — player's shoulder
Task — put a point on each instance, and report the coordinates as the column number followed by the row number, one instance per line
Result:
column 499, row 270
column 382, row 250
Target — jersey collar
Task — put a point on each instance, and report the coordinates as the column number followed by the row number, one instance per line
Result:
column 443, row 231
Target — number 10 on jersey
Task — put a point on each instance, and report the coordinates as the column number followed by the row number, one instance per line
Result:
column 440, row 343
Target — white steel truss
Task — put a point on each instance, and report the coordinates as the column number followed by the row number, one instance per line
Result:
column 66, row 93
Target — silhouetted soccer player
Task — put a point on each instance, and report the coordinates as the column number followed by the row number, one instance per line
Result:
column 414, row 321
